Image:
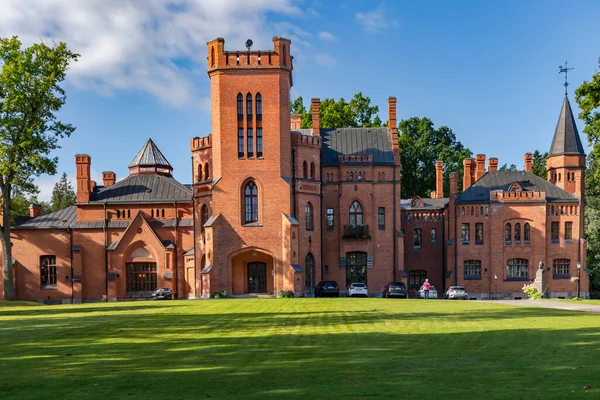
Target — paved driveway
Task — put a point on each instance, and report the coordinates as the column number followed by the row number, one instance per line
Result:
column 560, row 305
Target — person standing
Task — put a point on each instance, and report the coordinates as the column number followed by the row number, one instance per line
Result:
column 426, row 287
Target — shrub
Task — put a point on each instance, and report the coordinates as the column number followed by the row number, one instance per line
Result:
column 532, row 291
column 285, row 293
column 220, row 295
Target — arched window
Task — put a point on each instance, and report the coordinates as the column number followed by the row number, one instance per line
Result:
column 356, row 214
column 128, row 213
column 305, row 170
column 462, row 211
column 250, row 203
column 240, row 106
column 118, row 214
column 351, row 175
column 203, row 216
column 199, row 173
column 552, row 210
column 309, row 265
column 359, row 177
column 517, row 233
column 559, row 176
column 258, row 106
column 249, row 106
column 309, row 216
column 162, row 213
column 153, row 213
column 472, row 211
column 206, row 171
column 312, row 170
column 526, row 232
column 507, row 234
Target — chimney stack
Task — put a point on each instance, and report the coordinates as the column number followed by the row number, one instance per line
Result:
column 480, row 159
column 493, row 164
column 468, row 167
column 296, row 121
column 453, row 183
column 35, row 210
column 439, row 180
column 108, row 178
column 579, row 184
column 393, row 123
column 315, row 106
column 83, row 163
column 528, row 162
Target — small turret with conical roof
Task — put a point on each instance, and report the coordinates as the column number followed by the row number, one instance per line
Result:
column 150, row 160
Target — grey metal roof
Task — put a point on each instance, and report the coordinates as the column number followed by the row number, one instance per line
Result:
column 479, row 192
column 60, row 219
column 150, row 155
column 356, row 141
column 566, row 137
column 429, row 203
column 206, row 269
column 150, row 188
column 297, row 268
column 189, row 252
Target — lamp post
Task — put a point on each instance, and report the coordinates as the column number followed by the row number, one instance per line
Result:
column 495, row 286
column 578, row 277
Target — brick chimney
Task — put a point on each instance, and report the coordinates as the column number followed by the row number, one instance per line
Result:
column 439, row 180
column 453, row 183
column 492, row 164
column 315, row 107
column 108, row 178
column 528, row 162
column 393, row 122
column 83, row 163
column 468, row 166
column 296, row 121
column 35, row 210
column 480, row 159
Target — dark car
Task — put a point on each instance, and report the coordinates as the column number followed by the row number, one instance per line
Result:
column 327, row 288
column 395, row 289
column 162, row 294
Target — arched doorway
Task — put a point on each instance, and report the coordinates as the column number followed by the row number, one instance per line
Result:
column 257, row 277
column 252, row 272
column 309, row 267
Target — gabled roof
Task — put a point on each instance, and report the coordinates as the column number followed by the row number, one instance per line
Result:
column 566, row 137
column 150, row 155
column 479, row 192
column 149, row 188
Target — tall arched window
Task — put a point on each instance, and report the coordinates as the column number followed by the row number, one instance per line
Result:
column 250, row 203
column 308, row 211
column 240, row 106
column 199, row 173
column 312, row 170
column 356, row 214
column 309, row 265
column 258, row 106
column 305, row 170
column 526, row 232
column 249, row 106
column 203, row 216
column 517, row 233
column 206, row 171
column 507, row 234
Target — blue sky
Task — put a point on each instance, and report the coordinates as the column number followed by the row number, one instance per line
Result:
column 488, row 70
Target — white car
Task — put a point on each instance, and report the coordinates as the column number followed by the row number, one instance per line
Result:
column 432, row 293
column 357, row 289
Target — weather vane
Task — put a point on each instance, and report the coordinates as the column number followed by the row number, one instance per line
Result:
column 564, row 70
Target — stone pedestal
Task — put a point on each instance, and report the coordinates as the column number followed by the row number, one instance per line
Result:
column 540, row 279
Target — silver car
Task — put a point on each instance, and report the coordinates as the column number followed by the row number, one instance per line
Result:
column 456, row 292
column 432, row 293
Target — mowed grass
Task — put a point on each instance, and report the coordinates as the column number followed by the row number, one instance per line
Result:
column 297, row 348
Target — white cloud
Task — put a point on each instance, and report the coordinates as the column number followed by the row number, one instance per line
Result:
column 376, row 21
column 143, row 44
column 328, row 36
column 324, row 59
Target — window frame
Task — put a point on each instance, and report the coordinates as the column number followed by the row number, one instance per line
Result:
column 508, row 234
column 250, row 203
column 240, row 107
column 381, row 218
column 417, row 238
column 517, row 269
column 527, row 233
column 250, row 142
column 330, row 221
column 561, row 268
column 355, row 214
column 554, row 231
column 479, row 233
column 568, row 231
column 465, row 233
column 259, row 107
column 141, row 277
column 249, row 110
column 472, row 270
column 241, row 143
column 433, row 235
column 309, row 217
column 517, row 233
column 48, row 272
column 259, row 142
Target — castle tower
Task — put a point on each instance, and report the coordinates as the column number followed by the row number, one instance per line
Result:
column 566, row 155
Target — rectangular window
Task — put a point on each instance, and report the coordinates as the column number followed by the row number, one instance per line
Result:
column 568, row 230
column 259, row 147
column 240, row 142
column 479, row 233
column 433, row 235
column 417, row 239
column 141, row 277
column 517, row 269
column 560, row 268
column 381, row 218
column 554, row 232
column 250, row 143
column 472, row 269
column 465, row 228
column 330, row 219
column 48, row 272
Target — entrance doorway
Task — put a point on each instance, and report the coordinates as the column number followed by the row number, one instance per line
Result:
column 257, row 277
column 356, row 268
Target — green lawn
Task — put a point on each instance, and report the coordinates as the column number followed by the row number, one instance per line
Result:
column 297, row 348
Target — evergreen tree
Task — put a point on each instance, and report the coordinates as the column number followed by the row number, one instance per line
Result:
column 63, row 194
column 539, row 164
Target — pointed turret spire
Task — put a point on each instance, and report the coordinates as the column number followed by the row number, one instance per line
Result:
column 566, row 137
column 150, row 160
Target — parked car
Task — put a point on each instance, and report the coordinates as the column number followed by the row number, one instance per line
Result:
column 357, row 289
column 432, row 293
column 395, row 289
column 162, row 294
column 327, row 288
column 456, row 292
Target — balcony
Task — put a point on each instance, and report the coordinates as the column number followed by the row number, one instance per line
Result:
column 356, row 232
